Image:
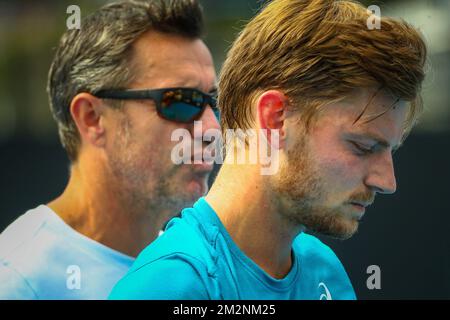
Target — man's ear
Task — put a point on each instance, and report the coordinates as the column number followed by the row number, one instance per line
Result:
column 87, row 112
column 272, row 108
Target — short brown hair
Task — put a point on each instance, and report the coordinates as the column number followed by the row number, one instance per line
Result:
column 317, row 51
column 97, row 56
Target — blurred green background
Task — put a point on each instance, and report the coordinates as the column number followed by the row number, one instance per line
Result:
column 405, row 234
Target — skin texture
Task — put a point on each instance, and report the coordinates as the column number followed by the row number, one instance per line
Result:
column 124, row 186
column 323, row 172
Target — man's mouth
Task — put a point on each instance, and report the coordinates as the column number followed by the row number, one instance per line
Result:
column 203, row 167
column 360, row 208
column 362, row 201
column 200, row 165
column 361, row 204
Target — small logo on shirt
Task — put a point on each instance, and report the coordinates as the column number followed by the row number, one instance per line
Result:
column 326, row 295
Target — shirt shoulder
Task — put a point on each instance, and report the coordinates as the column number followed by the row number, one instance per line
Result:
column 41, row 252
column 185, row 237
column 13, row 286
column 22, row 231
column 321, row 266
column 27, row 256
column 311, row 248
column 174, row 277
column 185, row 253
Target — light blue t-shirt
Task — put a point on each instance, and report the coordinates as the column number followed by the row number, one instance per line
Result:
column 196, row 258
column 41, row 257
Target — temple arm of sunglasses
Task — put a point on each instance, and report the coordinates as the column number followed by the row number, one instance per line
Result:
column 127, row 95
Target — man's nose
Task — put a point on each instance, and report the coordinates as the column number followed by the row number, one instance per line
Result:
column 381, row 177
column 209, row 120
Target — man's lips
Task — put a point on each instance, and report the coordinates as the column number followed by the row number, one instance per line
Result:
column 360, row 207
column 198, row 164
column 361, row 204
column 202, row 167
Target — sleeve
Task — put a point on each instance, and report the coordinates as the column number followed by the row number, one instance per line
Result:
column 13, row 286
column 164, row 279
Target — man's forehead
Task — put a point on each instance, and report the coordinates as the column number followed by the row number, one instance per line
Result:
column 364, row 106
column 154, row 48
column 158, row 78
column 370, row 102
column 385, row 124
column 174, row 65
column 382, row 121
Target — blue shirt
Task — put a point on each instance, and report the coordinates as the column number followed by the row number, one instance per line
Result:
column 196, row 258
column 41, row 257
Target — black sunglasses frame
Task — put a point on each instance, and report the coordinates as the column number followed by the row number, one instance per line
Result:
column 185, row 95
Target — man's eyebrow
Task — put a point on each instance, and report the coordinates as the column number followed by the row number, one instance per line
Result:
column 213, row 89
column 379, row 140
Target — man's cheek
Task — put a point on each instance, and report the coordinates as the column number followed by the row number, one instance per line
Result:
column 340, row 172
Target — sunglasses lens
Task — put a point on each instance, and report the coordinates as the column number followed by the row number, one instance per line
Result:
column 180, row 112
column 183, row 105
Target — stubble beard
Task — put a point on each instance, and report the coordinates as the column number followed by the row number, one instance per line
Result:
column 147, row 193
column 303, row 192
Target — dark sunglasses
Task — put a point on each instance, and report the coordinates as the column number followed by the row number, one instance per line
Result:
column 175, row 104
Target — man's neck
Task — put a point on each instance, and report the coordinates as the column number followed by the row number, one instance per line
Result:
column 90, row 204
column 252, row 218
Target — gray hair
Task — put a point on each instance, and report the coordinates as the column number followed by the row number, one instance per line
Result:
column 97, row 56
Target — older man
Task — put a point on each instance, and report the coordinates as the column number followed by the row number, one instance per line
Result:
column 118, row 87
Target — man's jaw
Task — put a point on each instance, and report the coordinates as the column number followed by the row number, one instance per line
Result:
column 198, row 175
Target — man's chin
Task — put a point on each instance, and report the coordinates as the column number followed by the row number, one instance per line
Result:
column 340, row 229
column 332, row 225
column 196, row 188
